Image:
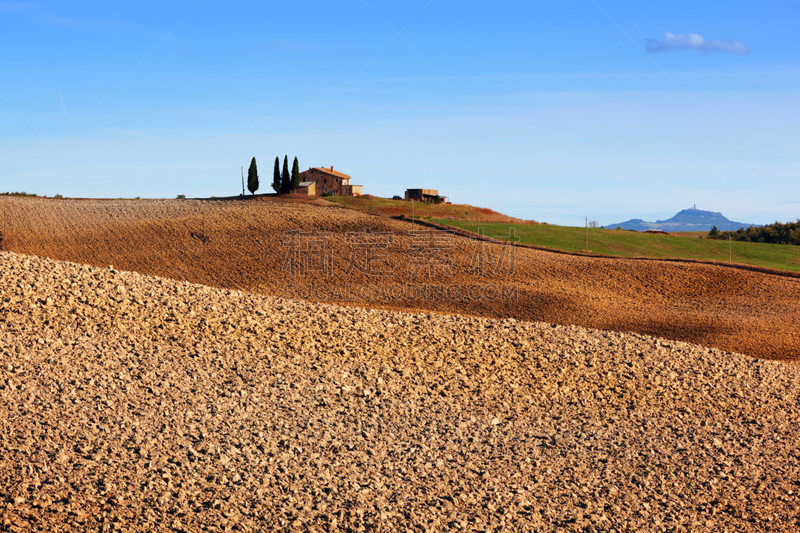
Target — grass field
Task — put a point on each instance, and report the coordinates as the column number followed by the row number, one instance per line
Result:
column 634, row 244
column 687, row 245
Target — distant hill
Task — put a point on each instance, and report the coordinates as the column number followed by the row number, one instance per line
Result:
column 686, row 220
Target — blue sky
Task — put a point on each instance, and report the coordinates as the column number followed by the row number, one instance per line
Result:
column 543, row 110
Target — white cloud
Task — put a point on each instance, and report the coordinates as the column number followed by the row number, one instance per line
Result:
column 693, row 41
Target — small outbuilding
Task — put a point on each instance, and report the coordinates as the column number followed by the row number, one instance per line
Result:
column 307, row 188
column 422, row 195
column 352, row 190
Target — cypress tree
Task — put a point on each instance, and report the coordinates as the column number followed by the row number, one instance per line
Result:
column 252, row 177
column 286, row 181
column 276, row 175
column 295, row 174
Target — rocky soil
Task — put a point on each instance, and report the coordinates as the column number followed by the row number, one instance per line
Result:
column 243, row 246
column 134, row 403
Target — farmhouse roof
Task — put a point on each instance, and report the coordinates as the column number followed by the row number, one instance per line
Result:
column 331, row 172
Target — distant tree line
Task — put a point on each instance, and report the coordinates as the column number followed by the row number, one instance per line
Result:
column 23, row 193
column 27, row 195
column 777, row 233
column 283, row 182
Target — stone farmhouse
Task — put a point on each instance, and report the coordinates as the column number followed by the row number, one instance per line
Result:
column 321, row 180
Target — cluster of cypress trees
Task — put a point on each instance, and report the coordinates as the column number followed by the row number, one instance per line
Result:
column 282, row 182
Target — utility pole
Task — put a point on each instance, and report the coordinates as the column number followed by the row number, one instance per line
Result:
column 412, row 212
column 242, row 181
column 586, row 248
column 730, row 254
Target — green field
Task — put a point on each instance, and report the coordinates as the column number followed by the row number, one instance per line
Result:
column 634, row 244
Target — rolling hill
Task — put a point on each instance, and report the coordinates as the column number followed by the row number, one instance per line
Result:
column 267, row 247
column 685, row 220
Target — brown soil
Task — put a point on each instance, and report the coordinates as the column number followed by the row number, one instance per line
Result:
column 133, row 403
column 240, row 245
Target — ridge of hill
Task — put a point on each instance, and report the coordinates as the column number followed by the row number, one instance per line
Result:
column 685, row 220
column 374, row 205
column 258, row 247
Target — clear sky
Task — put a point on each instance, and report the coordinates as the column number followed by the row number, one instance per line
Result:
column 543, row 110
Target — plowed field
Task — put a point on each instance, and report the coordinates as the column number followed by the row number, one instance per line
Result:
column 317, row 252
column 133, row 403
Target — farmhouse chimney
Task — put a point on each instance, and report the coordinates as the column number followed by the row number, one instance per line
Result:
column 331, row 168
